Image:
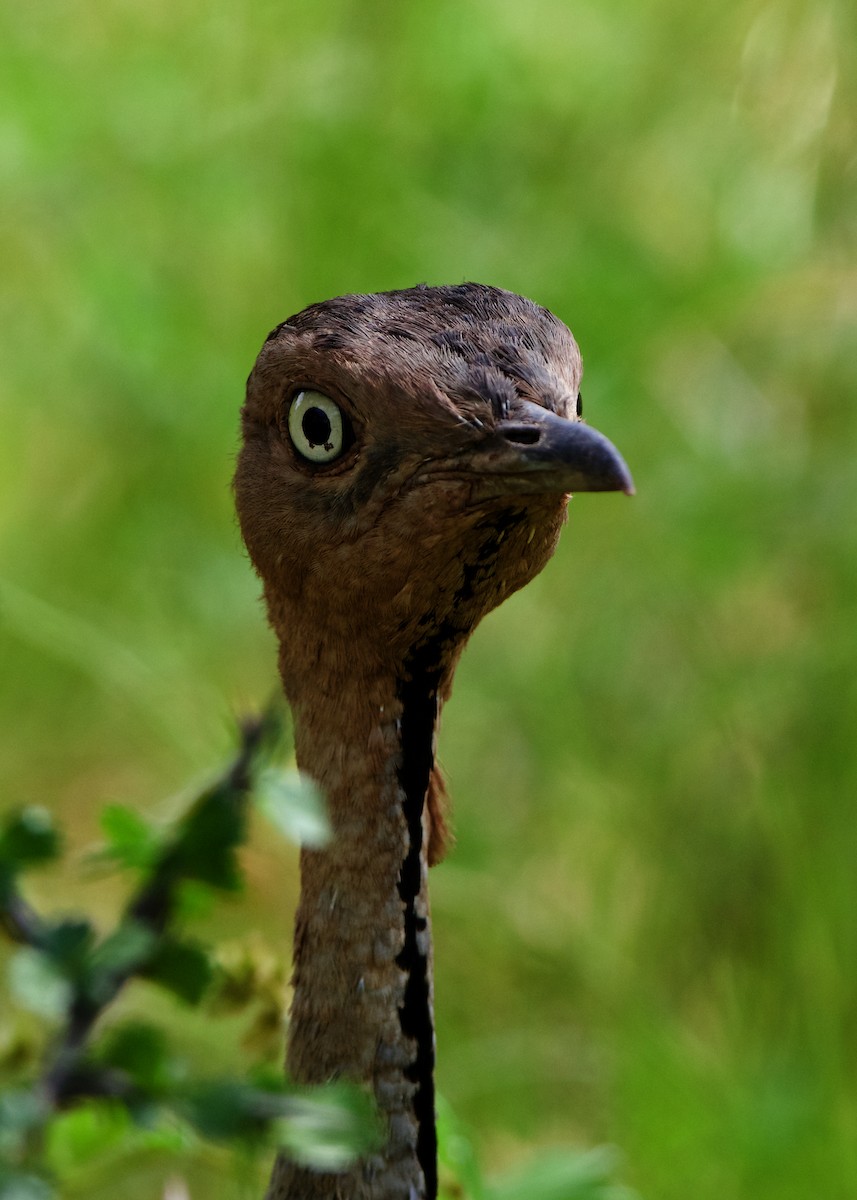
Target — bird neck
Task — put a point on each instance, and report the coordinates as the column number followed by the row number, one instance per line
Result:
column 363, row 998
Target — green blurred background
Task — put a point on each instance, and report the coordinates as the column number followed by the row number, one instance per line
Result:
column 646, row 934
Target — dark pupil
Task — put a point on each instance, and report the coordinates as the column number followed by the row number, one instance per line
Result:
column 316, row 426
column 579, row 405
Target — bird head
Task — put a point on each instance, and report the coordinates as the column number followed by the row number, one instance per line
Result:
column 406, row 464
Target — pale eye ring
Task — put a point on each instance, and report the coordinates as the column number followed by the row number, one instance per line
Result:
column 316, row 427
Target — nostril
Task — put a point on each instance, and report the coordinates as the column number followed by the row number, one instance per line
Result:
column 526, row 435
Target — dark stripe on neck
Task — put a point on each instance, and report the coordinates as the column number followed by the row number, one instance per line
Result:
column 418, row 695
column 417, row 691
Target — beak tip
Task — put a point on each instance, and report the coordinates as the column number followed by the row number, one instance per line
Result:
column 616, row 477
column 617, row 471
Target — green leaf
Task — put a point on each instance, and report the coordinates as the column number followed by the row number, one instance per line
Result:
column 86, row 1133
column 181, row 966
column 38, row 984
column 21, row 1112
column 127, row 950
column 326, row 1128
column 227, row 1110
column 193, row 900
column 208, row 836
column 69, row 944
column 456, row 1156
column 17, row 1185
column 131, row 841
column 295, row 805
column 29, row 837
column 164, row 1139
column 139, row 1050
column 329, row 1127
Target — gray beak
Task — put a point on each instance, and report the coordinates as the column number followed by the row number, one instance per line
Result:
column 541, row 452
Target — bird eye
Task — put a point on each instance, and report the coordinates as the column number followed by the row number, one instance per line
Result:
column 579, row 405
column 316, row 427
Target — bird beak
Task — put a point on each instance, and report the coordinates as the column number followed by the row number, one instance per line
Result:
column 542, row 452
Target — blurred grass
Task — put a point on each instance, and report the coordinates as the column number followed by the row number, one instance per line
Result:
column 647, row 932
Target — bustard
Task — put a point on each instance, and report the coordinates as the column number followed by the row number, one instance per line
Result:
column 406, row 464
